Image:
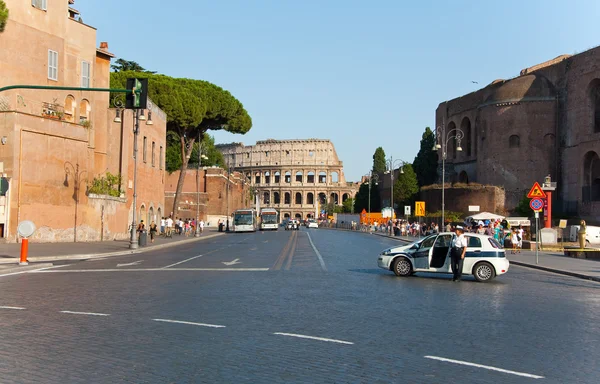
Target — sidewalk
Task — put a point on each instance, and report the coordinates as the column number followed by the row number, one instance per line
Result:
column 38, row 252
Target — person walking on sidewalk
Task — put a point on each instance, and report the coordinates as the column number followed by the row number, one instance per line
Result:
column 169, row 232
column 140, row 228
column 163, row 224
column 459, row 248
column 514, row 241
column 153, row 230
column 201, row 226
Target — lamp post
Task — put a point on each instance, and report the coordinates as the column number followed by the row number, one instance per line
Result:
column 229, row 170
column 391, row 165
column 372, row 176
column 200, row 157
column 442, row 138
column 74, row 169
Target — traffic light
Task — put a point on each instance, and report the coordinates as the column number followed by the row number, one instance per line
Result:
column 137, row 97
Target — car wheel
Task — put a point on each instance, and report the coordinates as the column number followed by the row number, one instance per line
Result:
column 484, row 272
column 402, row 267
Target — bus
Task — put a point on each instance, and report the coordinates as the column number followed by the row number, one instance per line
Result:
column 244, row 220
column 269, row 219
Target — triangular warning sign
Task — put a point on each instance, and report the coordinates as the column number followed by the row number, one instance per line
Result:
column 536, row 191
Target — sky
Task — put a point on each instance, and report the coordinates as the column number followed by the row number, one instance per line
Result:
column 363, row 74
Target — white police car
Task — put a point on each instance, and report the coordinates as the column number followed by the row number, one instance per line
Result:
column 484, row 258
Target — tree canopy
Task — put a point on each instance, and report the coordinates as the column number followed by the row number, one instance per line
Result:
column 406, row 186
column 173, row 153
column 425, row 163
column 3, row 15
column 126, row 65
column 347, row 206
column 192, row 107
column 362, row 198
column 379, row 164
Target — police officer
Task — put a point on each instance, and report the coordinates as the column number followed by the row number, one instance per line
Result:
column 459, row 248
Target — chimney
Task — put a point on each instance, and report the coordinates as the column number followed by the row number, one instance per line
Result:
column 104, row 45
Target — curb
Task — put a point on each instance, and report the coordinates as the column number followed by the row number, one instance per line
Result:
column 86, row 256
column 19, row 269
column 557, row 271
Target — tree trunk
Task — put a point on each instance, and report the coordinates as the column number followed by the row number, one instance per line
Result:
column 185, row 158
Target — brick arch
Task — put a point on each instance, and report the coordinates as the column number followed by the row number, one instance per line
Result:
column 467, row 142
column 451, row 148
column 594, row 104
column 591, row 177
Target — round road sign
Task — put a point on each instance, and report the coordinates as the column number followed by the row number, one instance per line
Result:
column 26, row 228
column 536, row 204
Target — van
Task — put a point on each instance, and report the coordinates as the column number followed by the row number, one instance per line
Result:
column 592, row 234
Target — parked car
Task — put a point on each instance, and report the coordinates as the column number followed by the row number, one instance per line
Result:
column 484, row 259
column 312, row 224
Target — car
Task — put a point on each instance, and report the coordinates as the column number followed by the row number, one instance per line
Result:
column 292, row 224
column 312, row 224
column 485, row 258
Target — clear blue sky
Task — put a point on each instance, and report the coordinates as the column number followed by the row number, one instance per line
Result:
column 361, row 73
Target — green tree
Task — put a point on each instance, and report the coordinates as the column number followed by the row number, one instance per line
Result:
column 425, row 163
column 379, row 164
column 347, row 206
column 193, row 107
column 126, row 65
column 3, row 15
column 523, row 209
column 173, row 153
column 362, row 198
column 406, row 186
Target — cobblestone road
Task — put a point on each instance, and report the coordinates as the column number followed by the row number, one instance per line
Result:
column 294, row 307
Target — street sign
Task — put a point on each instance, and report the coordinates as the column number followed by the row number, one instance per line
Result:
column 536, row 191
column 419, row 208
column 562, row 224
column 407, row 210
column 536, row 204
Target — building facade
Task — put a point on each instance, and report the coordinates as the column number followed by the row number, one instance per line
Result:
column 55, row 144
column 546, row 121
column 299, row 178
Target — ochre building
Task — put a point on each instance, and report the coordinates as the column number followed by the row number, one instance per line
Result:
column 299, row 178
column 546, row 121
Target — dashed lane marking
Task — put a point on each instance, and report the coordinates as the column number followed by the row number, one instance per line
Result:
column 321, row 261
column 8, row 307
column 484, row 367
column 85, row 313
column 183, row 261
column 314, row 338
column 156, row 270
column 189, row 323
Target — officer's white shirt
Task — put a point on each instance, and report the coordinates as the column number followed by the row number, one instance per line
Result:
column 460, row 241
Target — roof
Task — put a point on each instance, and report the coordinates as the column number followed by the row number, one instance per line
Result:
column 527, row 87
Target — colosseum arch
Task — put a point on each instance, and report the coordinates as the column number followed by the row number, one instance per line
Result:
column 335, row 177
column 310, row 177
column 310, row 198
column 467, row 144
column 334, row 198
column 257, row 178
column 299, row 176
column 267, row 177
column 298, row 216
column 298, row 198
column 345, row 197
column 322, row 198
column 276, row 198
column 288, row 177
column 277, row 177
column 322, row 177
column 266, row 198
column 287, row 198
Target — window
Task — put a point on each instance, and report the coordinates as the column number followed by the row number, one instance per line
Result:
column 145, row 155
column 160, row 164
column 266, row 153
column 473, row 242
column 311, row 153
column 514, row 141
column 85, row 74
column 153, row 149
column 84, row 111
column 39, row 4
column 52, row 65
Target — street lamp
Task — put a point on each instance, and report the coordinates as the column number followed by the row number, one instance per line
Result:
column 200, row 157
column 74, row 169
column 372, row 177
column 391, row 165
column 442, row 138
column 229, row 170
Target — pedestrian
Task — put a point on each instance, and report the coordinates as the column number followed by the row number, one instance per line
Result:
column 153, row 230
column 520, row 234
column 163, row 224
column 140, row 227
column 169, row 232
column 459, row 249
column 514, row 240
column 481, row 230
column 201, row 226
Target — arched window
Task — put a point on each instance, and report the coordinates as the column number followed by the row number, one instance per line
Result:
column 298, row 216
column 288, row 177
column 298, row 177
column 143, row 214
column 334, row 198
column 595, row 104
column 287, row 199
column 514, row 141
column 591, row 177
column 276, row 198
column 310, row 178
column 463, row 178
column 84, row 111
column 277, row 177
column 257, row 178
column 298, row 198
column 322, row 198
column 465, row 126
column 310, row 198
column 345, row 197
column 70, row 109
column 151, row 217
column 159, row 213
column 335, row 177
column 452, row 142
column 286, row 215
column 266, row 198
column 267, row 177
column 322, row 177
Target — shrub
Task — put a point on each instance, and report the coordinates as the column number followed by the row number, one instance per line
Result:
column 106, row 185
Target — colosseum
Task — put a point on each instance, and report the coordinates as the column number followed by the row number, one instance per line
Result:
column 296, row 177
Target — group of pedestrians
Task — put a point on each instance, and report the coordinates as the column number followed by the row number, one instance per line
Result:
column 168, row 226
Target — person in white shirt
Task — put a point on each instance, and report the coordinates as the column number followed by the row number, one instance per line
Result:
column 163, row 224
column 169, row 222
column 459, row 249
column 514, row 240
column 520, row 233
column 201, row 226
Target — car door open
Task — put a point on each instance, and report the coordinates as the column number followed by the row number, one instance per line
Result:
column 441, row 251
column 422, row 255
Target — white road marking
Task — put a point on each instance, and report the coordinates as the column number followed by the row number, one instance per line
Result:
column 181, row 262
column 130, row 264
column 484, row 367
column 317, row 252
column 158, row 270
column 8, row 307
column 314, row 338
column 85, row 313
column 189, row 323
column 232, row 262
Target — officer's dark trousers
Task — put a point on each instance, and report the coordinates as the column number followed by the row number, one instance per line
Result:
column 457, row 263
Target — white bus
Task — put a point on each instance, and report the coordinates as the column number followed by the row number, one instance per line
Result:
column 244, row 220
column 269, row 219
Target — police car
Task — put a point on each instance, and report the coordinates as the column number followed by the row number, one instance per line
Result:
column 484, row 258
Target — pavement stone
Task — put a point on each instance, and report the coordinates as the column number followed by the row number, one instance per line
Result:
column 38, row 252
